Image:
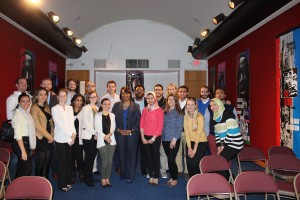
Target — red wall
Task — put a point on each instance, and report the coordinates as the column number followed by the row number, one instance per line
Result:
column 264, row 92
column 12, row 40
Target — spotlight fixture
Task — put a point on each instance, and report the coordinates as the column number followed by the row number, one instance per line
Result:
column 205, row 32
column 53, row 17
column 77, row 40
column 67, row 31
column 197, row 42
column 218, row 18
column 83, row 49
column 234, row 3
column 190, row 50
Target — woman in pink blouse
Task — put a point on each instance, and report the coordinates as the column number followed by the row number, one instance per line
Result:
column 151, row 126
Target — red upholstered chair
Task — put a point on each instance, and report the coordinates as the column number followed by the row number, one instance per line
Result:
column 287, row 175
column 280, row 150
column 5, row 158
column 215, row 163
column 251, row 154
column 2, row 178
column 207, row 184
column 285, row 163
column 297, row 186
column 29, row 187
column 255, row 182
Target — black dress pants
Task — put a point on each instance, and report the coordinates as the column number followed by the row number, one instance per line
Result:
column 24, row 167
column 90, row 150
column 193, row 163
column 64, row 164
column 153, row 156
column 171, row 154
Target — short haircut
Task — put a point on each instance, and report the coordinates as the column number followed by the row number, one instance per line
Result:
column 111, row 81
column 159, row 85
column 127, row 90
column 20, row 78
column 184, row 87
column 139, row 85
column 205, row 86
column 69, row 80
column 46, row 79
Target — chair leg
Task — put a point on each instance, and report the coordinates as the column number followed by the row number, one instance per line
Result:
column 8, row 175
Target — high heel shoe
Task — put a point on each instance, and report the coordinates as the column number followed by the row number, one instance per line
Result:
column 63, row 189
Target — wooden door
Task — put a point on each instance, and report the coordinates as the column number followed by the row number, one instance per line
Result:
column 194, row 80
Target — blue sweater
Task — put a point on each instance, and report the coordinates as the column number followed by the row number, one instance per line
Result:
column 173, row 124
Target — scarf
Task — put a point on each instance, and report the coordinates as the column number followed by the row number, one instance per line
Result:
column 31, row 127
column 155, row 105
column 221, row 109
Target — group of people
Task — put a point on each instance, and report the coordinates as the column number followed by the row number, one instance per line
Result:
column 69, row 130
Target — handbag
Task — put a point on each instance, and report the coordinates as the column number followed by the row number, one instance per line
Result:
column 7, row 131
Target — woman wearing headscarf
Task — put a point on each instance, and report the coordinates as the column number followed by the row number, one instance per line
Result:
column 43, row 121
column 25, row 140
column 127, row 115
column 151, row 126
column 196, row 141
column 228, row 137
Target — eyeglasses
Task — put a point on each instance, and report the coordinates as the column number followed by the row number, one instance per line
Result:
column 93, row 97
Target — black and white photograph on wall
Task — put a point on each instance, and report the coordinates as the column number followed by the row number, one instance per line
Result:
column 243, row 101
column 28, row 68
column 221, row 75
column 212, row 79
column 53, row 75
column 286, row 114
column 133, row 79
column 289, row 78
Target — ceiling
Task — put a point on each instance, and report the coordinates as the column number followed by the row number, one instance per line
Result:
column 188, row 16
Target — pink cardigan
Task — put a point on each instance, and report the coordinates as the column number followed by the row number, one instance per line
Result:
column 152, row 122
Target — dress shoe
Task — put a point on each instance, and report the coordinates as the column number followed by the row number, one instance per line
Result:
column 108, row 185
column 128, row 181
column 97, row 173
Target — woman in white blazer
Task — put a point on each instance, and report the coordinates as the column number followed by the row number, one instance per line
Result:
column 105, row 125
column 64, row 136
column 89, row 137
column 77, row 102
column 24, row 136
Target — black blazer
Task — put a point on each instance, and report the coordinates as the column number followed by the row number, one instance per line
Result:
column 133, row 117
column 53, row 100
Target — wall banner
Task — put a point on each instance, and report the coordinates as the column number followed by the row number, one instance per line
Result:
column 288, row 46
column 243, row 101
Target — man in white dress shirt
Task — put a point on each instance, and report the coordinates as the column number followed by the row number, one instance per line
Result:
column 111, row 93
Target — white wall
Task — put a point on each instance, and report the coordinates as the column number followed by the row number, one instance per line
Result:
column 150, row 79
column 135, row 39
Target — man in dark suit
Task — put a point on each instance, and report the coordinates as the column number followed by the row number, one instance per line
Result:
column 52, row 98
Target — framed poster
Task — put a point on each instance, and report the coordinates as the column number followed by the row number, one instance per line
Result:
column 53, row 75
column 288, row 54
column 221, row 75
column 28, row 68
column 212, row 79
column 133, row 79
column 243, row 101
